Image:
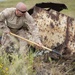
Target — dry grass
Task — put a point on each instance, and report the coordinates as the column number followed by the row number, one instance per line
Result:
column 20, row 65
column 55, row 67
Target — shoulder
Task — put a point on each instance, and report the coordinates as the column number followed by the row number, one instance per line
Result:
column 8, row 11
column 27, row 14
column 29, row 17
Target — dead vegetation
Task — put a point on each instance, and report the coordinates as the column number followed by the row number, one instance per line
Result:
column 55, row 67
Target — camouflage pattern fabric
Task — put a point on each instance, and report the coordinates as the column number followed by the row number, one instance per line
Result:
column 57, row 31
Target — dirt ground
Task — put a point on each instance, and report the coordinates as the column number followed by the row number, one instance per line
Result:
column 50, row 66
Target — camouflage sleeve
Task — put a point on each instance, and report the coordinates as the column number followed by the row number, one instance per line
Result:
column 3, row 15
column 2, row 19
column 33, row 29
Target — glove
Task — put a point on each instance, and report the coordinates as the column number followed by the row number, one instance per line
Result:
column 39, row 46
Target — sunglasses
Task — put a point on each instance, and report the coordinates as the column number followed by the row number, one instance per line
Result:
column 22, row 11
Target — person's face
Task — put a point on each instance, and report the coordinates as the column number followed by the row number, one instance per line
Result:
column 20, row 13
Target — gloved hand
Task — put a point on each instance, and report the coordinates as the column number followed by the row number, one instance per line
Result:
column 39, row 46
column 6, row 31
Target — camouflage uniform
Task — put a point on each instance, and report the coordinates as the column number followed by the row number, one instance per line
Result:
column 23, row 26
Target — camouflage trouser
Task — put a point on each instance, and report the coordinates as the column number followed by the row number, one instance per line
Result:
column 23, row 44
column 19, row 45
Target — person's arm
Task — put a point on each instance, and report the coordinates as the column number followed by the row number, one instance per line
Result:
column 3, row 15
column 2, row 20
column 33, row 29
